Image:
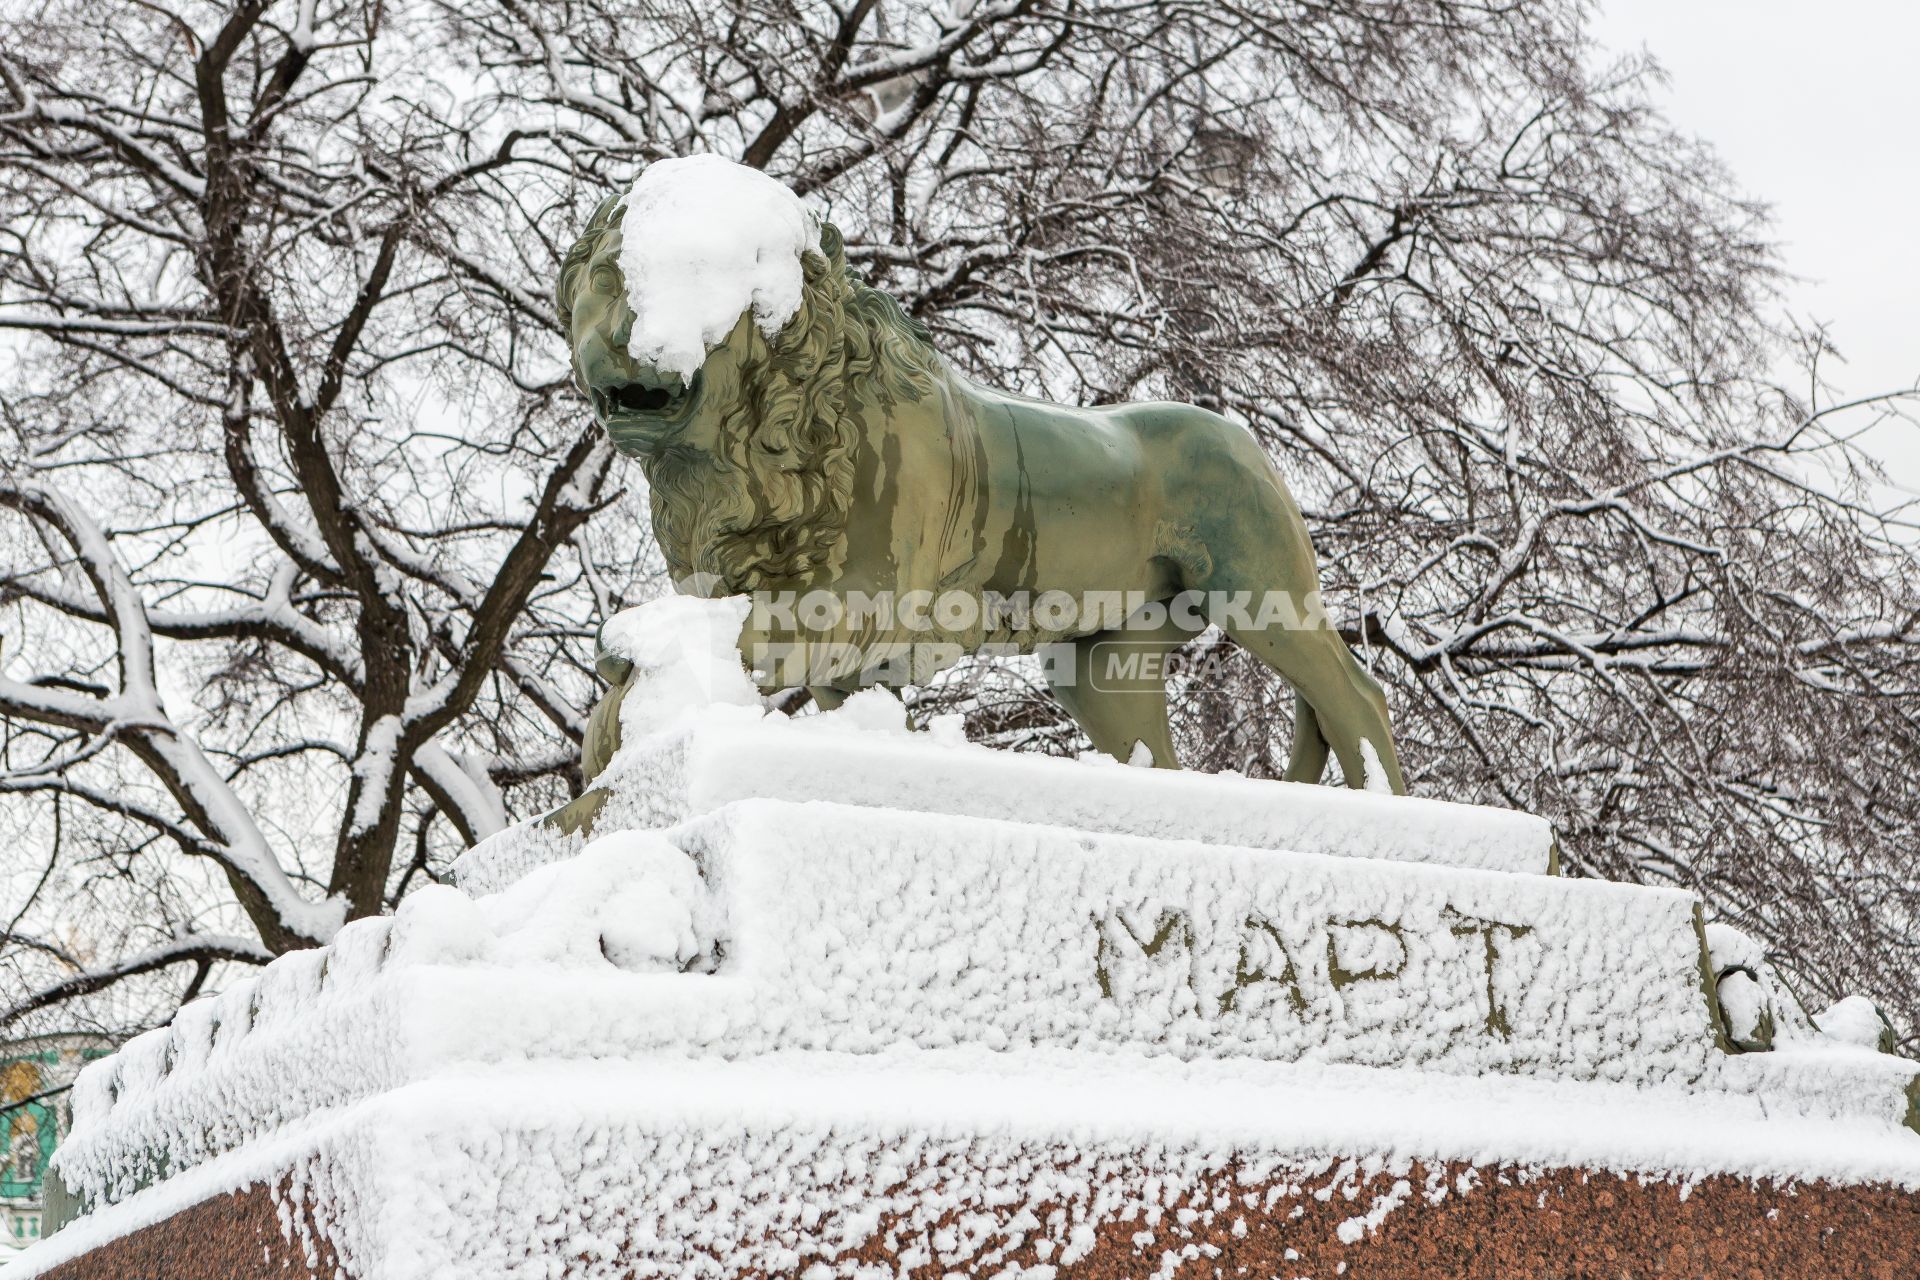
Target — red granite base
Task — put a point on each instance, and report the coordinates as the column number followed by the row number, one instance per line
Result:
column 230, row 1237
column 1565, row 1224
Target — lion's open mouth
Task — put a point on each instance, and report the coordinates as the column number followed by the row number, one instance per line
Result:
column 641, row 420
column 636, row 398
column 630, row 399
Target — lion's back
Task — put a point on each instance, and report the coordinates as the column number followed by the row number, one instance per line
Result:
column 1159, row 456
column 1184, row 443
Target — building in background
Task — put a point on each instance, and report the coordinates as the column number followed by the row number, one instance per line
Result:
column 34, row 1114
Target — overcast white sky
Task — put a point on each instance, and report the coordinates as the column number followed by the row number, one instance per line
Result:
column 1815, row 104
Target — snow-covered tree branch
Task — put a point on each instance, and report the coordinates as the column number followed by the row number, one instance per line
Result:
column 267, row 427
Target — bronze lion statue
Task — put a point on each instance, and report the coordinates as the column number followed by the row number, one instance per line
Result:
column 842, row 454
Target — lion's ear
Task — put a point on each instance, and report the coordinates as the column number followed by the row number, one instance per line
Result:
column 832, row 246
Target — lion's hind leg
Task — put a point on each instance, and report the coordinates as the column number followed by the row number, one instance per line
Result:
column 1256, row 565
column 1116, row 689
column 1347, row 709
column 1308, row 760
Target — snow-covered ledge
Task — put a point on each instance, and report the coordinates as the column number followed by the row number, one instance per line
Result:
column 696, row 737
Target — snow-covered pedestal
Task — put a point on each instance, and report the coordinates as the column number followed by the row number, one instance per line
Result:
column 824, row 997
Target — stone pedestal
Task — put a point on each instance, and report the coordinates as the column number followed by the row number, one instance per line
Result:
column 815, row 1167
column 1415, row 1221
column 1103, row 1025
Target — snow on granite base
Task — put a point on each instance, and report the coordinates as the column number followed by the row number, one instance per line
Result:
column 771, row 926
column 811, row 1164
column 873, row 928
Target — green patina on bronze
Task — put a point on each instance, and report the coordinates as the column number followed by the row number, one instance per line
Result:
column 843, row 454
column 1765, row 1027
column 1709, row 988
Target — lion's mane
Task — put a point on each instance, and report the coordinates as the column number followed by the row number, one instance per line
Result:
column 769, row 507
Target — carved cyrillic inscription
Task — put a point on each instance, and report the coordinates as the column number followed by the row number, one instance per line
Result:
column 1494, row 936
column 1364, row 951
column 1264, row 958
column 1169, row 927
column 1301, row 970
